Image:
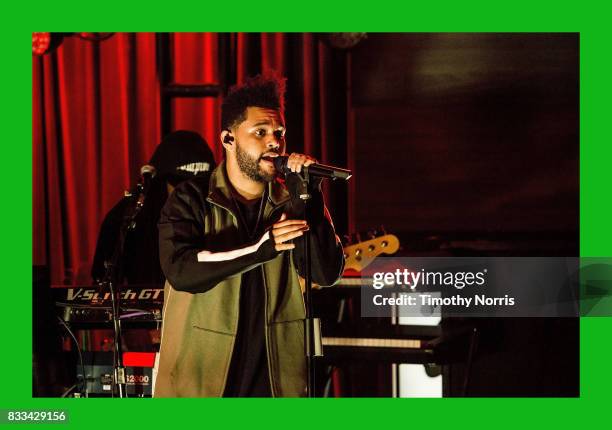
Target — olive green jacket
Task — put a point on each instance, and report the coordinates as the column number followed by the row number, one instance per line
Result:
column 203, row 254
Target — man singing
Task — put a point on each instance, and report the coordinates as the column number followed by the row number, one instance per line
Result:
column 232, row 249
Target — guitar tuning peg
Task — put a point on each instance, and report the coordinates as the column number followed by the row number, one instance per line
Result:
column 347, row 239
column 384, row 231
column 372, row 234
column 358, row 237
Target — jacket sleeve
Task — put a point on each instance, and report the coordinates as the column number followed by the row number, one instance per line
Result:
column 325, row 248
column 185, row 256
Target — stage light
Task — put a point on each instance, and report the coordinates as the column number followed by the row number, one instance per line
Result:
column 41, row 42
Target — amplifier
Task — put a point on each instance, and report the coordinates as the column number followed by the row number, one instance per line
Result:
column 99, row 375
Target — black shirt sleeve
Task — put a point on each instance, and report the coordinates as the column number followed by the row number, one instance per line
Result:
column 181, row 239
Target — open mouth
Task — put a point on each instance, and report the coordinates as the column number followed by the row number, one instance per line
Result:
column 269, row 157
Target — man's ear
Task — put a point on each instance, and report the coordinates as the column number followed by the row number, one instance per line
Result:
column 227, row 140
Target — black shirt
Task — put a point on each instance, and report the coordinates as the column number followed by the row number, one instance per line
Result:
column 248, row 375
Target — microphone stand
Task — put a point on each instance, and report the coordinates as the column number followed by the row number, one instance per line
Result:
column 312, row 339
column 312, row 344
column 112, row 279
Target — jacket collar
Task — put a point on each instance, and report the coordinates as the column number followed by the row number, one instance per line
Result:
column 220, row 190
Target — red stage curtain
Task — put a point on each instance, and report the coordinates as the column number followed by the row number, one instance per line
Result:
column 95, row 121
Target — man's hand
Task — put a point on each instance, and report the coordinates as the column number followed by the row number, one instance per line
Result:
column 286, row 229
column 296, row 161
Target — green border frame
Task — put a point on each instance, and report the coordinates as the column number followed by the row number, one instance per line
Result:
column 590, row 19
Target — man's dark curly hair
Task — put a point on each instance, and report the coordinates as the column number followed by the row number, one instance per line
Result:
column 265, row 91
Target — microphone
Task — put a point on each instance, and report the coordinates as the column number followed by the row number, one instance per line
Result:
column 147, row 172
column 318, row 170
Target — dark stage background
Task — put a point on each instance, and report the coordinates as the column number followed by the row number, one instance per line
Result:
column 460, row 144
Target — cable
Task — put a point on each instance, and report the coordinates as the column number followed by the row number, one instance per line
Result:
column 76, row 342
column 328, row 383
column 68, row 391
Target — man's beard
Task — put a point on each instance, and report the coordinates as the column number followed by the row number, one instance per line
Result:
column 250, row 166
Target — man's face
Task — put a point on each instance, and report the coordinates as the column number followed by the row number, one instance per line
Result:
column 259, row 138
